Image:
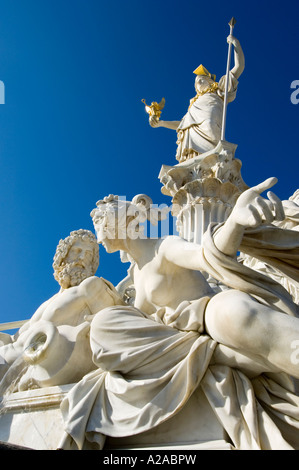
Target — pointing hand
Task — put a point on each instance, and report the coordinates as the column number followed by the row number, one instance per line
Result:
column 252, row 210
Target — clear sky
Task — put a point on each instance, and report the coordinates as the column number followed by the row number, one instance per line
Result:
column 73, row 128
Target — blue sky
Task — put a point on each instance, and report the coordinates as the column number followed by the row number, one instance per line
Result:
column 73, row 128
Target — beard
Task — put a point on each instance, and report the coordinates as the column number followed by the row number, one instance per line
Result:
column 72, row 274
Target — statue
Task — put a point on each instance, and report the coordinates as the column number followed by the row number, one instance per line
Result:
column 290, row 222
column 180, row 334
column 137, row 353
column 53, row 346
column 154, row 109
column 200, row 129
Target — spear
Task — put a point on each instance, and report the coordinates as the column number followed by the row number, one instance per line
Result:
column 231, row 24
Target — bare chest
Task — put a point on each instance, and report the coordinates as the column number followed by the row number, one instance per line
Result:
column 156, row 287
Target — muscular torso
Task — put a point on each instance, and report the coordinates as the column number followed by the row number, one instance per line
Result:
column 67, row 307
column 159, row 283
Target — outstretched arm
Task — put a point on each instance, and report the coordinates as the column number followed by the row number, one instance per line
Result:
column 250, row 211
column 154, row 122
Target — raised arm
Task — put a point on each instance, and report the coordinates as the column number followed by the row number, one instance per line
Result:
column 239, row 58
column 181, row 253
column 251, row 210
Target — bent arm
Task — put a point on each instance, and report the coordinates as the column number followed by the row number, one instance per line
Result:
column 229, row 237
column 239, row 58
column 99, row 294
column 250, row 211
column 182, row 253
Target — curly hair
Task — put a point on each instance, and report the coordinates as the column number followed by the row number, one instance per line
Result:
column 115, row 215
column 64, row 246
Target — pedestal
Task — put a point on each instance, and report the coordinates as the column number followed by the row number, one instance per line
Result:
column 204, row 189
column 32, row 419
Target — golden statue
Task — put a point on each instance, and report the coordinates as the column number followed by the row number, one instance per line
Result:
column 155, row 108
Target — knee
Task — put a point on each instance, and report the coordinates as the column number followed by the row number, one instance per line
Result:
column 231, row 317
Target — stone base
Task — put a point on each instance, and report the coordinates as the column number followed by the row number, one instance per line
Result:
column 33, row 419
column 194, row 427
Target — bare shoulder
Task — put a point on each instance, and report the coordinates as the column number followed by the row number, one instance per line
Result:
column 171, row 248
column 92, row 283
column 171, row 242
column 95, row 284
column 181, row 253
column 99, row 293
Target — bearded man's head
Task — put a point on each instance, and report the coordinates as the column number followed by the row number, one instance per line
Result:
column 76, row 258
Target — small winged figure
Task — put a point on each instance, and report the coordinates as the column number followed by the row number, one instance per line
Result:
column 155, row 108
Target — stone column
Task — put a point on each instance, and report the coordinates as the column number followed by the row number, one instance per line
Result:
column 204, row 189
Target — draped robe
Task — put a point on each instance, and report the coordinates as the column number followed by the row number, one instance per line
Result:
column 147, row 370
column 200, row 129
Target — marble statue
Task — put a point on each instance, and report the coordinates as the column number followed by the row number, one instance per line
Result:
column 290, row 222
column 209, row 317
column 180, row 334
column 52, row 347
column 200, row 129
